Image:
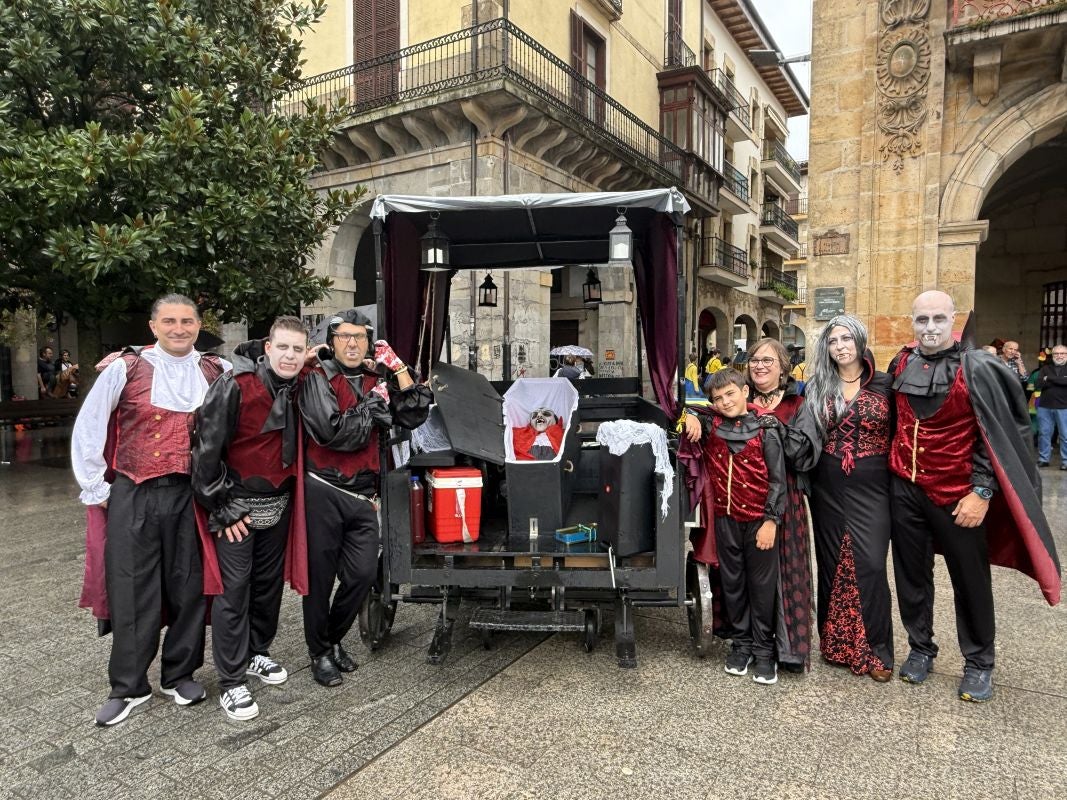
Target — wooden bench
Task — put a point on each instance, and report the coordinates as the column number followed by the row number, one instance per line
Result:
column 23, row 411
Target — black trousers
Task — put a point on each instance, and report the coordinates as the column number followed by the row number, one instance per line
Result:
column 152, row 559
column 749, row 585
column 342, row 533
column 917, row 524
column 244, row 618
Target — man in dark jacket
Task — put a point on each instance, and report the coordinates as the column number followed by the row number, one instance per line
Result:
column 345, row 402
column 1052, row 406
column 245, row 473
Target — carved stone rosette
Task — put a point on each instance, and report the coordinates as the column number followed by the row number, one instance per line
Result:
column 903, row 75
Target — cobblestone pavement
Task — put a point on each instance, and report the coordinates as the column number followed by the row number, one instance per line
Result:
column 536, row 718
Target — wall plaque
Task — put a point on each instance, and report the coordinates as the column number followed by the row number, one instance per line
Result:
column 829, row 302
column 832, row 243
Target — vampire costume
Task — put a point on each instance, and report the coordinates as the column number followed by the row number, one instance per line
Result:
column 963, row 426
column 541, row 439
column 800, row 443
column 130, row 448
column 245, row 464
column 344, row 409
column 746, row 468
column 850, row 514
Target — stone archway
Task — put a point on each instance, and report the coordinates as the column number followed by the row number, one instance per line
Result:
column 745, row 332
column 1031, row 123
column 770, row 330
column 713, row 330
column 336, row 260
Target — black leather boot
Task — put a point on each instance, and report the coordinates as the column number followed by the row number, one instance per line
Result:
column 342, row 659
column 325, row 671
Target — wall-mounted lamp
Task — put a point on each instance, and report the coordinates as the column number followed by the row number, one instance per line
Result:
column 434, row 247
column 487, row 292
column 620, row 243
column 591, row 293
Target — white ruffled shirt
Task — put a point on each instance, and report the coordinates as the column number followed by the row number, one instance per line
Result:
column 178, row 384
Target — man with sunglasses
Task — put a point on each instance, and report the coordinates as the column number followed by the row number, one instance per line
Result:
column 346, row 402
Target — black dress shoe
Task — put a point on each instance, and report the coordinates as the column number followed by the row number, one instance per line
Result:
column 342, row 659
column 325, row 671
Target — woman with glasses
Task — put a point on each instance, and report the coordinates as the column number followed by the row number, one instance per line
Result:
column 774, row 394
column 850, row 401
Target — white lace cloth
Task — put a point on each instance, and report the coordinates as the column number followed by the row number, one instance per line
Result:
column 619, row 435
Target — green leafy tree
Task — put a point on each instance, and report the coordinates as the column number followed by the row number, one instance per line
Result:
column 140, row 152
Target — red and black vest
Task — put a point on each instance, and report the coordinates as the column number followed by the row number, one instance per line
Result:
column 936, row 453
column 251, row 453
column 347, row 463
column 739, row 480
column 150, row 441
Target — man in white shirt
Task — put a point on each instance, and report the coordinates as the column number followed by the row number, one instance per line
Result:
column 130, row 451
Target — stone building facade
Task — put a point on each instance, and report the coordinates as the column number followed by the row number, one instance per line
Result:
column 939, row 160
column 594, row 95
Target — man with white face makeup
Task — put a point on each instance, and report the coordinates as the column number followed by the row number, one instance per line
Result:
column 960, row 448
column 246, row 460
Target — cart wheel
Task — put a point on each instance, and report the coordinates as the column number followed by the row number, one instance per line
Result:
column 589, row 641
column 698, row 591
column 373, row 616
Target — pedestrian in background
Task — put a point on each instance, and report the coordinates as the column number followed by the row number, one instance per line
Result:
column 1052, row 407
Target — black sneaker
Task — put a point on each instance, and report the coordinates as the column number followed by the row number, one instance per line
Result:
column 117, row 709
column 977, row 685
column 765, row 671
column 342, row 659
column 917, row 668
column 238, row 704
column 186, row 693
column 1042, row 463
column 267, row 670
column 737, row 663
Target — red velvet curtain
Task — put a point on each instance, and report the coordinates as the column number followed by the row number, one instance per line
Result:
column 655, row 272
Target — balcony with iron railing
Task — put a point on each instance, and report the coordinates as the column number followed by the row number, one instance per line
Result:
column 774, row 215
column 782, row 285
column 800, row 257
column 736, row 197
column 796, row 206
column 449, row 67
column 977, row 12
column 676, row 53
column 734, row 100
column 723, row 263
column 776, row 159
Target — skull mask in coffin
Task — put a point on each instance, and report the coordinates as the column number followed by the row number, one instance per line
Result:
column 542, row 437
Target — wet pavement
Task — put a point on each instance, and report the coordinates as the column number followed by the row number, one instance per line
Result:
column 533, row 717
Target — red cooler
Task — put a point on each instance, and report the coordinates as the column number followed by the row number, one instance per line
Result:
column 454, row 503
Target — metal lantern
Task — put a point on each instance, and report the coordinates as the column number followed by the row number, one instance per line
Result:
column 434, row 247
column 487, row 292
column 620, row 242
column 591, row 288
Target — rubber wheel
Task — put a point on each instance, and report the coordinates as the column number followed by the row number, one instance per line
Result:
column 699, row 610
column 590, row 636
column 374, row 622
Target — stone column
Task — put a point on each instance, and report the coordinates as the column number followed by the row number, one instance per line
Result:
column 957, row 251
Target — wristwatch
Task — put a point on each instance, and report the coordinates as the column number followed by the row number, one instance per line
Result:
column 983, row 492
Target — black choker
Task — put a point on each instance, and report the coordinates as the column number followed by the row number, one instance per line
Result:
column 852, row 380
column 768, row 397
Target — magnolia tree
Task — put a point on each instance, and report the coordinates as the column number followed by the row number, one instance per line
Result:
column 140, row 153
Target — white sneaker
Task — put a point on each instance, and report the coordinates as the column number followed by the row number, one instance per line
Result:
column 117, row 709
column 267, row 670
column 238, row 703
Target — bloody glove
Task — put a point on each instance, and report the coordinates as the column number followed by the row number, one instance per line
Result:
column 381, row 390
column 383, row 354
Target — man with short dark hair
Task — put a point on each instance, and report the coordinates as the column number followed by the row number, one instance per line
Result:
column 962, row 428
column 46, row 371
column 346, row 405
column 130, row 453
column 245, row 472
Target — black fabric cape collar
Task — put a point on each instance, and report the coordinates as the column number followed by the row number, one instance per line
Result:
column 929, row 375
column 282, row 416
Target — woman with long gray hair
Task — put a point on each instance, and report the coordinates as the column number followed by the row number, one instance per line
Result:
column 850, row 499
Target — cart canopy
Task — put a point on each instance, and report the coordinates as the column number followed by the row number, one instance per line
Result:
column 530, row 230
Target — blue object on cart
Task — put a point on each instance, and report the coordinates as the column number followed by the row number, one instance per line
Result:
column 576, row 534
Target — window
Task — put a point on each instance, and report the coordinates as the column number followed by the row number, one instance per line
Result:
column 708, row 59
column 376, row 33
column 1054, row 314
column 587, row 58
